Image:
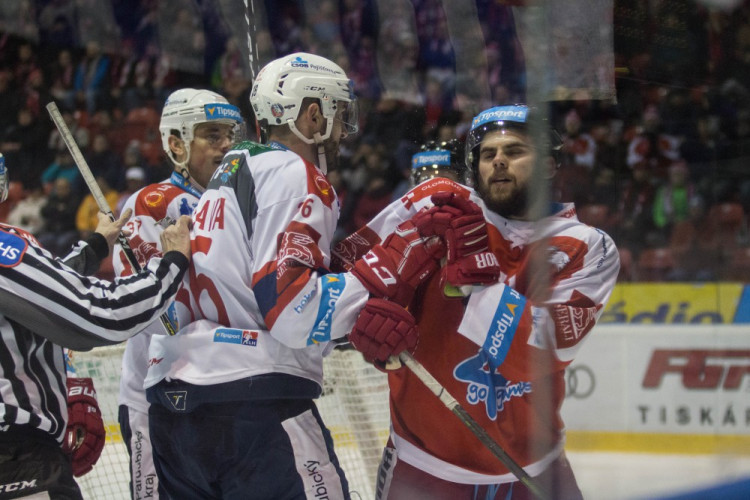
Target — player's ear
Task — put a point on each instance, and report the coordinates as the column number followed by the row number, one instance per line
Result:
column 550, row 167
column 176, row 145
column 310, row 120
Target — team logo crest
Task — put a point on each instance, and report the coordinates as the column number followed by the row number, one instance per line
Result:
column 154, row 199
column 249, row 337
column 486, row 386
column 277, row 110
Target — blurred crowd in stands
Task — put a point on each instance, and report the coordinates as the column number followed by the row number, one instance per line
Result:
column 665, row 169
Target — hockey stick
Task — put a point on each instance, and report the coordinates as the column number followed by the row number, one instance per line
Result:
column 96, row 192
column 453, row 405
column 252, row 46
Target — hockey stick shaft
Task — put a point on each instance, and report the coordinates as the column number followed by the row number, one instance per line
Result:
column 454, row 406
column 96, row 192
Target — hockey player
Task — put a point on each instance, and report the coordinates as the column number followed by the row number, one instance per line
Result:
column 197, row 129
column 502, row 349
column 232, row 414
column 47, row 304
column 439, row 159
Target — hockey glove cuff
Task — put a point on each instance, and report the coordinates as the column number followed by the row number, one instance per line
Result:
column 383, row 329
column 85, row 435
column 394, row 269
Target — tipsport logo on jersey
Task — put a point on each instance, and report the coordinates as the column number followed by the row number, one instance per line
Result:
column 236, row 336
column 332, row 289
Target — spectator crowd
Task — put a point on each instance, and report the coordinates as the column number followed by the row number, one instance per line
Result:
column 664, row 168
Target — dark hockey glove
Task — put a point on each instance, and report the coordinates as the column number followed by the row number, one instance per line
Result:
column 383, row 329
column 395, row 268
column 85, row 435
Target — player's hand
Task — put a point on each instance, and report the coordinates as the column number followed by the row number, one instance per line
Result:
column 468, row 261
column 85, row 435
column 110, row 229
column 383, row 329
column 394, row 269
column 466, row 232
column 478, row 269
column 177, row 237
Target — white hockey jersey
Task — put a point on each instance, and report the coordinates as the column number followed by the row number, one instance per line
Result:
column 257, row 299
column 154, row 207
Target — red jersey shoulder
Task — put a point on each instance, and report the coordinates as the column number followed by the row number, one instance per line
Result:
column 318, row 185
column 154, row 199
column 432, row 186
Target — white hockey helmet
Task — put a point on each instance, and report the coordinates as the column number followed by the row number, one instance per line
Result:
column 184, row 109
column 282, row 84
column 3, row 179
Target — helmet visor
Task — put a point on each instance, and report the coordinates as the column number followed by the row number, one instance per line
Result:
column 349, row 116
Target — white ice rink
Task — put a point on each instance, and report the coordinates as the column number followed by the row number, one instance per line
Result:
column 630, row 476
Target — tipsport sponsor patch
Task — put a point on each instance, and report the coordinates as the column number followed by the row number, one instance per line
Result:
column 499, row 114
column 504, row 325
column 492, row 323
column 236, row 336
column 331, row 290
column 12, row 248
column 219, row 111
column 424, row 158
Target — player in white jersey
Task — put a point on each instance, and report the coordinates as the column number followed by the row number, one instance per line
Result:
column 197, row 129
column 232, row 414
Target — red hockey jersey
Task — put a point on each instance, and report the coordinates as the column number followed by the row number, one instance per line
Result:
column 502, row 351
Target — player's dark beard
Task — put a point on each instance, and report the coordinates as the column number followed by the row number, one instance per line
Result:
column 513, row 206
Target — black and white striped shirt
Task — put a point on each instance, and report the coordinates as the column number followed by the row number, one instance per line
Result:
column 45, row 305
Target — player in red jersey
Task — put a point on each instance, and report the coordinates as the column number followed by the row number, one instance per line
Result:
column 501, row 349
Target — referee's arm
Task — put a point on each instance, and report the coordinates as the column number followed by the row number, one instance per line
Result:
column 75, row 311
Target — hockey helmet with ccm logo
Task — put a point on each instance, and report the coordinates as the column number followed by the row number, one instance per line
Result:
column 282, row 85
column 184, row 109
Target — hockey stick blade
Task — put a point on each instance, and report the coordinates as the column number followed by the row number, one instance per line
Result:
column 96, row 192
column 454, row 406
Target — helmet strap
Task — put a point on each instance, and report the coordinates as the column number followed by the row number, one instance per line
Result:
column 322, row 163
column 181, row 166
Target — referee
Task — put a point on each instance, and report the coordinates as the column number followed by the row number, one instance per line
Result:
column 47, row 304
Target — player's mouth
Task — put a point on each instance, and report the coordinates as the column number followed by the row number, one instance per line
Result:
column 501, row 181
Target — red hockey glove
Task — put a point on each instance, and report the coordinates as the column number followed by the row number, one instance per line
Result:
column 394, row 269
column 478, row 269
column 469, row 261
column 84, row 437
column 466, row 233
column 383, row 329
